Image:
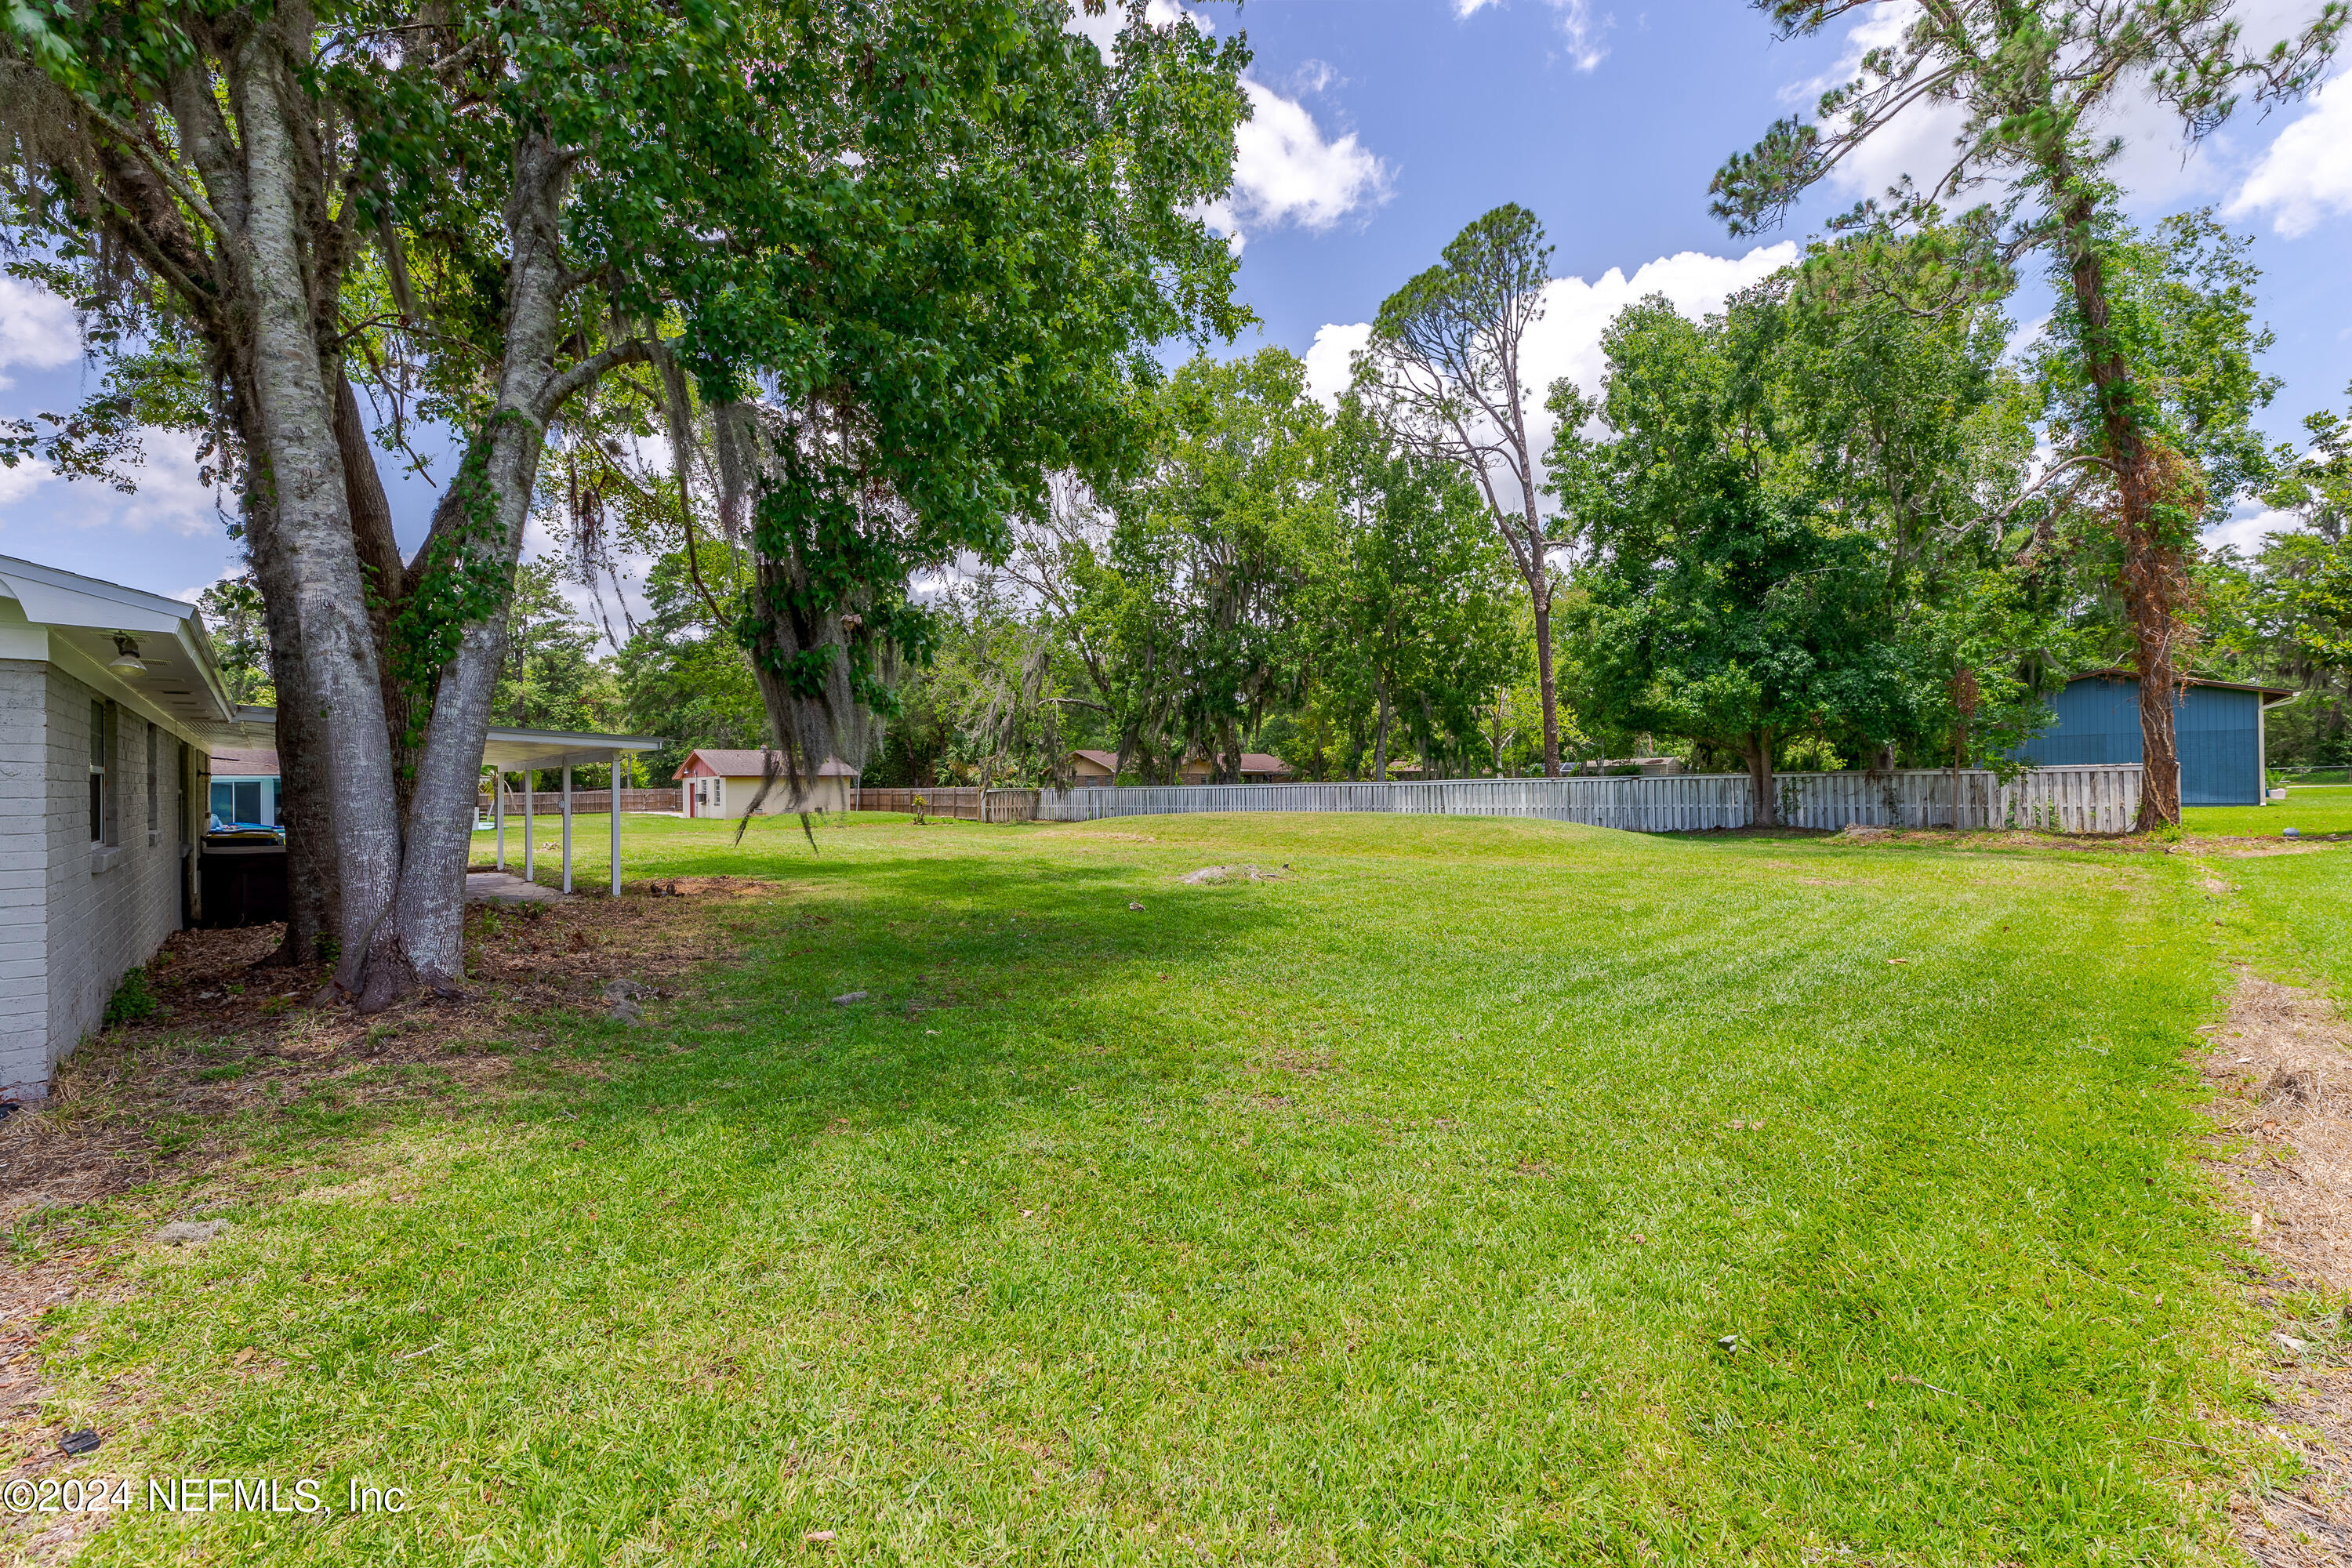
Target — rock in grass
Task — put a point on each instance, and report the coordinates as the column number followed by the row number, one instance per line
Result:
column 184, row 1232
column 846, row 997
column 85, row 1441
column 625, row 991
column 625, row 1012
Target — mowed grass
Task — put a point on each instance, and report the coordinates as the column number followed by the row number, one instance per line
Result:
column 1478, row 1192
column 2307, row 808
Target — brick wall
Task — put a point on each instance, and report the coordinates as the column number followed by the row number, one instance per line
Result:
column 108, row 909
column 24, row 1058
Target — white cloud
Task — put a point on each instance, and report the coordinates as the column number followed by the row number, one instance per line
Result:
column 20, row 481
column 169, row 497
column 1330, row 359
column 2247, row 532
column 1286, row 171
column 2306, row 175
column 1312, row 77
column 1104, row 29
column 1578, row 25
column 1566, row 340
column 37, row 330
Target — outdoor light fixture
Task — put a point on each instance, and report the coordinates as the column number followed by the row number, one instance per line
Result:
column 126, row 660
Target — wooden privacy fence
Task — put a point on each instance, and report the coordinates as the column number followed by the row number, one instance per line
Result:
column 964, row 803
column 584, row 802
column 2100, row 799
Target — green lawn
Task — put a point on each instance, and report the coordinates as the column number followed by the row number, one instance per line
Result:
column 2307, row 808
column 1481, row 1191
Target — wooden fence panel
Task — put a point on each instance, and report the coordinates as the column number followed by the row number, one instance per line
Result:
column 962, row 802
column 586, row 802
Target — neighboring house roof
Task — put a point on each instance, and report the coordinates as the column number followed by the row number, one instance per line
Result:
column 2116, row 673
column 1252, row 762
column 247, row 761
column 722, row 763
column 1106, row 761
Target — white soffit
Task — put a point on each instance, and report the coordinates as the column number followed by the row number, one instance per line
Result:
column 54, row 598
column 82, row 614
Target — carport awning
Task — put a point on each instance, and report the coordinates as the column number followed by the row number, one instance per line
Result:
column 510, row 750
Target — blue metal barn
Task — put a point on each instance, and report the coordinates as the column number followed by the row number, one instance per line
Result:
column 2218, row 724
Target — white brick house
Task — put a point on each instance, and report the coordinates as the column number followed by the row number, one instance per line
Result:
column 110, row 706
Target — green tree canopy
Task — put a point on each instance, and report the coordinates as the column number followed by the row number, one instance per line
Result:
column 2036, row 82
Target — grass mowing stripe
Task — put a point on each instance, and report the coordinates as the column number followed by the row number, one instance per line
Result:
column 1396, row 1210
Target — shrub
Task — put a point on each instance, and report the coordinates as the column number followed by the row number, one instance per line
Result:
column 132, row 1002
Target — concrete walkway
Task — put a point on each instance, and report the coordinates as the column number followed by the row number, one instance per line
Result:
column 506, row 887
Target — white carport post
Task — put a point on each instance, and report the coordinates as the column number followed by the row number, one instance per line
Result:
column 527, row 845
column 498, row 810
column 616, row 794
column 567, row 827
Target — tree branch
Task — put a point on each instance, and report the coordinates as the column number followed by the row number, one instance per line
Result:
column 560, row 389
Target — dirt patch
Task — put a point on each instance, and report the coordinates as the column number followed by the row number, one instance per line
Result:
column 28, row 1290
column 2252, row 849
column 2006, row 838
column 1233, row 874
column 138, row 1100
column 2281, row 1068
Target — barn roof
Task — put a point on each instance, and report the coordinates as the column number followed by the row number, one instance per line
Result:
column 2119, row 672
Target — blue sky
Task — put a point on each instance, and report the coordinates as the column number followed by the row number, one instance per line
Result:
column 1382, row 126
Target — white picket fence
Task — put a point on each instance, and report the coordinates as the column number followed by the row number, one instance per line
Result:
column 2059, row 800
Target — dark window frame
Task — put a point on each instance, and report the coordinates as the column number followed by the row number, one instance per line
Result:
column 98, row 791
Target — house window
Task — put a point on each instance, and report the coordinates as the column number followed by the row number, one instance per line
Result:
column 96, row 772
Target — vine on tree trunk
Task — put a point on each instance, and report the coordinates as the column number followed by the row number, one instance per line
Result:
column 463, row 576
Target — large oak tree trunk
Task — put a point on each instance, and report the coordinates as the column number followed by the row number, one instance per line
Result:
column 381, row 566
column 423, row 943
column 307, row 518
column 313, row 908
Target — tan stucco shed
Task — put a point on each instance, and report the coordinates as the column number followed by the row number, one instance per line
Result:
column 717, row 782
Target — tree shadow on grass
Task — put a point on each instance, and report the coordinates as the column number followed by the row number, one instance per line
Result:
column 955, row 991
